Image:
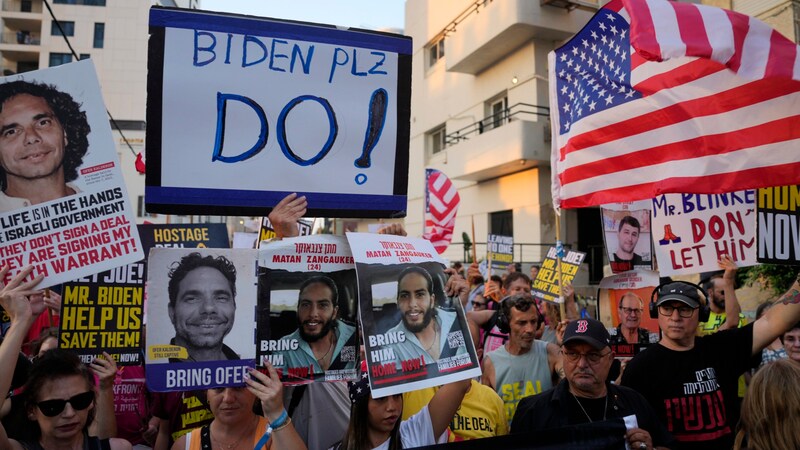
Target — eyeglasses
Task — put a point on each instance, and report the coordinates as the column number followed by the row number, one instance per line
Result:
column 631, row 310
column 683, row 311
column 52, row 408
column 478, row 304
column 592, row 357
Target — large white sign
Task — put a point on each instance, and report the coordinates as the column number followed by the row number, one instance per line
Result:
column 244, row 110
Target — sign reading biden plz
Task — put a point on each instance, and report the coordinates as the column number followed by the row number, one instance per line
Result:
column 243, row 111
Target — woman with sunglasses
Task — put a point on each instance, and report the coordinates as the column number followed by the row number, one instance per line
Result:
column 60, row 392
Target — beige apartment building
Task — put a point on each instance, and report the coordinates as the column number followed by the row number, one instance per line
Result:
column 113, row 33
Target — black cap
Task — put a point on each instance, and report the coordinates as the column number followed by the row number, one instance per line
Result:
column 589, row 331
column 679, row 291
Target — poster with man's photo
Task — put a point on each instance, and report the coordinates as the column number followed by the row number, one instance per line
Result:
column 414, row 335
column 200, row 317
column 307, row 309
column 64, row 208
column 624, row 308
column 626, row 231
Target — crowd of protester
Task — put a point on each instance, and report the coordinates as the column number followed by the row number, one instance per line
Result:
column 540, row 373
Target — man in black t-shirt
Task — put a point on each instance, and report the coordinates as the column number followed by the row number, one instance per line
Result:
column 690, row 381
column 584, row 396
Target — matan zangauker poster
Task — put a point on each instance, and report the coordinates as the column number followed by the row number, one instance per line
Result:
column 64, row 208
column 414, row 335
column 307, row 309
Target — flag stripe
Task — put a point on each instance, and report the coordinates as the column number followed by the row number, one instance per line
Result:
column 692, row 30
column 710, row 144
column 719, row 32
column 707, row 184
column 681, row 74
column 652, row 114
column 741, row 27
column 442, row 200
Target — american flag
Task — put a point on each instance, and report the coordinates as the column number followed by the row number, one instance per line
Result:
column 441, row 206
column 708, row 103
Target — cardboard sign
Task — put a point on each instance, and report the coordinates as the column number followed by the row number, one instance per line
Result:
column 203, row 336
column 85, row 224
column 307, row 311
column 626, row 231
column 546, row 286
column 499, row 251
column 253, row 109
column 691, row 232
column 415, row 337
column 779, row 225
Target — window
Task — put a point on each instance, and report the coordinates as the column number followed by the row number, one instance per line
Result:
column 496, row 112
column 57, row 59
column 435, row 51
column 437, row 139
column 99, row 34
column 84, row 56
column 68, row 27
column 502, row 223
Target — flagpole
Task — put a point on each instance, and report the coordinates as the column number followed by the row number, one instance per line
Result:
column 474, row 244
column 561, row 306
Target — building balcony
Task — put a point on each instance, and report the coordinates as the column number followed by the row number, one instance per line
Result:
column 516, row 139
column 22, row 6
column 500, row 27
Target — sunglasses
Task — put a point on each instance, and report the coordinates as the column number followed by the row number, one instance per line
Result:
column 52, row 408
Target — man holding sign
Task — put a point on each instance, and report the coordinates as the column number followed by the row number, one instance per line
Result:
column 202, row 305
column 42, row 144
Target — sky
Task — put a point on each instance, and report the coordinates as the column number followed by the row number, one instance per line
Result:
column 368, row 14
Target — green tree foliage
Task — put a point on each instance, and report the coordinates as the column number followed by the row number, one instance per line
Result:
column 775, row 277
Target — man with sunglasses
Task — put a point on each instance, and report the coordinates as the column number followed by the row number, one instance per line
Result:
column 691, row 381
column 585, row 395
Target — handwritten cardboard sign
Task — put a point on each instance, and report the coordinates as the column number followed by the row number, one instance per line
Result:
column 252, row 109
column 499, row 251
column 547, row 286
column 691, row 232
column 87, row 225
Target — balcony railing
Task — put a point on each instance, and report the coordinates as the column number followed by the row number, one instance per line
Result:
column 519, row 111
column 22, row 6
column 20, row 37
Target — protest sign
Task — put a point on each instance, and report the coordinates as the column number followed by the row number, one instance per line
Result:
column 203, row 235
column 778, row 228
column 693, row 231
column 546, row 286
column 75, row 218
column 307, row 309
column 626, row 231
column 639, row 286
column 499, row 251
column 103, row 312
column 267, row 232
column 415, row 336
column 254, row 109
column 201, row 315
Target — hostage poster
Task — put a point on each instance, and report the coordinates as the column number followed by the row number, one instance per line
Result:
column 201, row 306
column 779, row 225
column 414, row 335
column 63, row 204
column 307, row 309
column 626, row 231
column 254, row 109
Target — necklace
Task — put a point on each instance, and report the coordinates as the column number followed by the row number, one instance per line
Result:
column 605, row 408
column 230, row 446
column 330, row 347
column 435, row 336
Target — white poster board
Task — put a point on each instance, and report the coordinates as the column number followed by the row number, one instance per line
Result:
column 691, row 232
column 252, row 109
column 87, row 225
